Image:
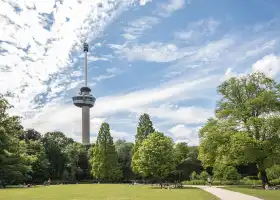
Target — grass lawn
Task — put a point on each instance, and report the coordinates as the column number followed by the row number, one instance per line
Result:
column 102, row 192
column 263, row 194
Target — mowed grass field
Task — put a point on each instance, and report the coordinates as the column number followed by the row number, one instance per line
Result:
column 102, row 192
column 263, row 194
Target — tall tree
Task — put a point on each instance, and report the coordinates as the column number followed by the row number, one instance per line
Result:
column 73, row 152
column 124, row 151
column 181, row 153
column 54, row 144
column 247, row 128
column 145, row 127
column 37, row 160
column 104, row 160
column 13, row 165
column 156, row 157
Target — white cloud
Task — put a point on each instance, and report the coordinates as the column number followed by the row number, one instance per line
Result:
column 33, row 54
column 135, row 100
column 152, row 52
column 53, row 115
column 195, row 31
column 122, row 135
column 187, row 115
column 95, row 58
column 183, row 134
column 171, row 6
column 270, row 65
column 144, row 2
column 137, row 27
column 184, row 35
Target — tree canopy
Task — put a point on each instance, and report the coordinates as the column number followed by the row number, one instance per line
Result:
column 104, row 159
column 156, row 156
column 246, row 127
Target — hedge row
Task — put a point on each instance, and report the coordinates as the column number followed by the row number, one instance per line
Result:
column 240, row 182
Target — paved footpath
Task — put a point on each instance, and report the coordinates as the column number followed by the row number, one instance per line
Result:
column 226, row 194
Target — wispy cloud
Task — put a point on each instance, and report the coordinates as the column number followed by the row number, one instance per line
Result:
column 35, row 55
column 153, row 52
column 171, row 6
column 198, row 30
column 171, row 76
column 136, row 28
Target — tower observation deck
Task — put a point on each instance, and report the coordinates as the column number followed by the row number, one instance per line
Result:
column 85, row 101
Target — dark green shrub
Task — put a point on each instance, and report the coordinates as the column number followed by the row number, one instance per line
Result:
column 273, row 172
column 251, row 178
column 194, row 176
column 245, row 181
column 195, row 182
column 275, row 182
column 222, row 172
column 203, row 175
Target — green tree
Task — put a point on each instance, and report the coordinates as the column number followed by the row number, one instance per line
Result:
column 124, row 151
column 54, row 144
column 13, row 165
column 225, row 173
column 181, row 152
column 273, row 172
column 203, row 175
column 156, row 156
column 190, row 164
column 37, row 160
column 104, row 160
column 246, row 128
column 73, row 152
column 194, row 176
column 145, row 127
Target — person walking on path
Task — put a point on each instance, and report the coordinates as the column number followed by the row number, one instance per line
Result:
column 209, row 180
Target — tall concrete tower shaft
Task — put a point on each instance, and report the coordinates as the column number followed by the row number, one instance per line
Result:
column 85, row 101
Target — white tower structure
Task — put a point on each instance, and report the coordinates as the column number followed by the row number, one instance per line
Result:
column 85, row 101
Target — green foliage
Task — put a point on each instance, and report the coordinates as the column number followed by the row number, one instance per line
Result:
column 246, row 181
column 13, row 163
column 145, row 127
column 195, row 182
column 203, row 175
column 156, row 156
column 275, row 181
column 273, row 172
column 245, row 129
column 54, row 144
column 225, row 173
column 181, row 152
column 38, row 161
column 72, row 153
column 194, row 176
column 104, row 159
column 124, row 150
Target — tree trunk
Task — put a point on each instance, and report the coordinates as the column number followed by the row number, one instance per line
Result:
column 264, row 178
column 160, row 184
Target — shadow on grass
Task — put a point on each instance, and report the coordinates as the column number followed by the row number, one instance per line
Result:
column 259, row 187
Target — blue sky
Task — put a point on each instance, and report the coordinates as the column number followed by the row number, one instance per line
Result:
column 163, row 57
